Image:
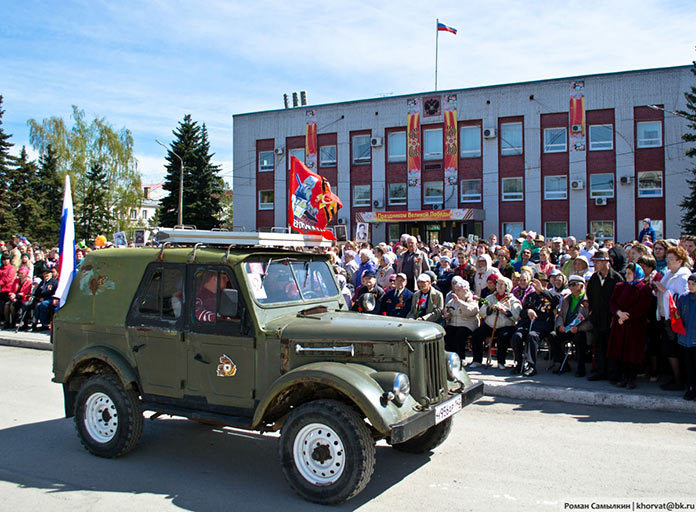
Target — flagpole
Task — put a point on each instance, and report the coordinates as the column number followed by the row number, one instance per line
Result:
column 437, row 34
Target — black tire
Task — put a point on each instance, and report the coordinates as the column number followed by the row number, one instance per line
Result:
column 108, row 417
column 428, row 440
column 355, row 466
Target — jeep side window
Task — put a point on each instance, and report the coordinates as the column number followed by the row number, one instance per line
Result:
column 162, row 295
column 208, row 285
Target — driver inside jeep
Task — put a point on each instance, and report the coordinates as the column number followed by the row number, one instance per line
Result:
column 206, row 295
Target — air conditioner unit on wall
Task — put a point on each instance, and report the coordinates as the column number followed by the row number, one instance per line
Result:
column 577, row 185
column 376, row 142
column 378, row 203
column 626, row 180
column 576, row 128
column 489, row 133
column 341, row 220
column 601, row 201
column 279, row 151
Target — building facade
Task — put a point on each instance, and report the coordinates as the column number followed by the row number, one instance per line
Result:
column 562, row 157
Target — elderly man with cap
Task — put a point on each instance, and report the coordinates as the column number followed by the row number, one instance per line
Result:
column 369, row 286
column 412, row 262
column 556, row 254
column 647, row 230
column 572, row 325
column 536, row 322
column 599, row 289
column 427, row 303
column 397, row 301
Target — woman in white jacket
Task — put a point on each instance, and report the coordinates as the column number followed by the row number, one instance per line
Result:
column 674, row 283
column 484, row 268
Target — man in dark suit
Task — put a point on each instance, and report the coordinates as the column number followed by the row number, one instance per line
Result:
column 397, row 301
column 412, row 262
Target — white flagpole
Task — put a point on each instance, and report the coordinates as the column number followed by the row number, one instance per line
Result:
column 437, row 34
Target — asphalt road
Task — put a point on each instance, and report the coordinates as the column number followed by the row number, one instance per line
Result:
column 502, row 455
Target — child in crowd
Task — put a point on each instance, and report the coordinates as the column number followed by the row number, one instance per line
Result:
column 687, row 310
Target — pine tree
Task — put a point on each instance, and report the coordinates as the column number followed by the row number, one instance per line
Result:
column 22, row 192
column 689, row 203
column 9, row 226
column 49, row 193
column 93, row 216
column 202, row 185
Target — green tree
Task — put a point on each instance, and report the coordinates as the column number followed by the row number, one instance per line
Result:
column 22, row 193
column 83, row 144
column 93, row 218
column 49, row 193
column 9, row 225
column 202, row 185
column 689, row 203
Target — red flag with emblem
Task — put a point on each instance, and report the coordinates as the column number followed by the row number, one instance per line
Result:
column 675, row 318
column 311, row 204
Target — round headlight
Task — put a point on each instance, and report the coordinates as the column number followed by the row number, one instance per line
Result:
column 454, row 366
column 402, row 387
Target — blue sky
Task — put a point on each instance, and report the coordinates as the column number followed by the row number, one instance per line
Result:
column 144, row 65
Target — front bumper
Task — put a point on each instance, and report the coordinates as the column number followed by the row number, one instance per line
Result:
column 422, row 421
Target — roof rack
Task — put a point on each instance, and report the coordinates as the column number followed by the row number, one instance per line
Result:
column 241, row 238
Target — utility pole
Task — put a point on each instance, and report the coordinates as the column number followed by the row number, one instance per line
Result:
column 180, row 214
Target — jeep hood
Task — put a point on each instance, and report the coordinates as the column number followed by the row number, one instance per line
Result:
column 346, row 325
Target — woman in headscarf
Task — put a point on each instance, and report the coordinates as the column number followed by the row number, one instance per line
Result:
column 630, row 303
column 484, row 268
column 345, row 291
column 559, row 283
column 386, row 267
column 461, row 314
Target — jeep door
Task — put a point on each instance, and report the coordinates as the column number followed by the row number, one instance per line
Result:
column 221, row 350
column 155, row 325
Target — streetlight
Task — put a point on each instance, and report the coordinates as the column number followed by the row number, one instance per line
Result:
column 180, row 215
column 678, row 114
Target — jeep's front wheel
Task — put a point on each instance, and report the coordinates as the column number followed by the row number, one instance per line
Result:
column 108, row 417
column 428, row 440
column 326, row 452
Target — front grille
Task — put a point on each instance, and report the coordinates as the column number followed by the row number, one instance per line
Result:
column 435, row 379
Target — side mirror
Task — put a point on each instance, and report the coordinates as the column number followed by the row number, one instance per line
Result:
column 229, row 303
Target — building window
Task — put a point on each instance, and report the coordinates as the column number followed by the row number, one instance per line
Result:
column 266, row 162
column 397, row 194
column 144, row 214
column 297, row 153
column 432, row 144
column 471, row 191
column 555, row 187
column 650, row 184
column 361, row 149
column 134, row 214
column 555, row 140
column 433, row 192
column 602, row 229
column 396, row 146
column 394, row 232
column 361, row 194
column 266, row 199
column 513, row 189
column 649, row 134
column 512, row 228
column 327, row 156
column 601, row 137
column 470, row 141
column 601, row 185
column 552, row 229
column 511, row 139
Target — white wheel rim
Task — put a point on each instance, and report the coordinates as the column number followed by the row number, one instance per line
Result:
column 319, row 454
column 101, row 417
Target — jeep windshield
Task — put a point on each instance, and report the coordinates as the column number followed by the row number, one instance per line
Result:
column 274, row 281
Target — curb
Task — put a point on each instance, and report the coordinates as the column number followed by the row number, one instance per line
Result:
column 526, row 391
column 37, row 345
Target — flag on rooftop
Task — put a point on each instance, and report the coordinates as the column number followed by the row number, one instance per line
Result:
column 66, row 262
column 441, row 27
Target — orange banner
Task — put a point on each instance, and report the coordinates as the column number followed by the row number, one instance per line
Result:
column 577, row 115
column 311, row 141
column 413, row 143
column 451, row 151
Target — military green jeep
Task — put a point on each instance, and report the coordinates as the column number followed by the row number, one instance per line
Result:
column 256, row 338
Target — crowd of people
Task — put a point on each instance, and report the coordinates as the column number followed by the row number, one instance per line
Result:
column 618, row 311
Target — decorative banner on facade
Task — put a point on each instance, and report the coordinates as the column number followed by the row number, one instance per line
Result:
column 311, row 140
column 413, row 142
column 577, row 115
column 416, row 216
column 451, row 147
column 312, row 204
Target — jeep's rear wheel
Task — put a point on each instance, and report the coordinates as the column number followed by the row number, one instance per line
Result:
column 108, row 417
column 326, row 452
column 431, row 438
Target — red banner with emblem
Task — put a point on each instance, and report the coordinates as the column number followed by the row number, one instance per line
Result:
column 413, row 142
column 311, row 140
column 311, row 204
column 451, row 146
column 577, row 115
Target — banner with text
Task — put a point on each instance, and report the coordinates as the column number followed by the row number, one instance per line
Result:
column 416, row 215
column 311, row 140
column 451, row 146
column 413, row 142
column 577, row 115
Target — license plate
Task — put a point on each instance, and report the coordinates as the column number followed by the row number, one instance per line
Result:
column 444, row 411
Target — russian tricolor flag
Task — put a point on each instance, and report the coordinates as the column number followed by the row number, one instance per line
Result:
column 66, row 262
column 441, row 27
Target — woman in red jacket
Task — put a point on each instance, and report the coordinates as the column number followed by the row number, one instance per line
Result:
column 21, row 290
column 629, row 306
